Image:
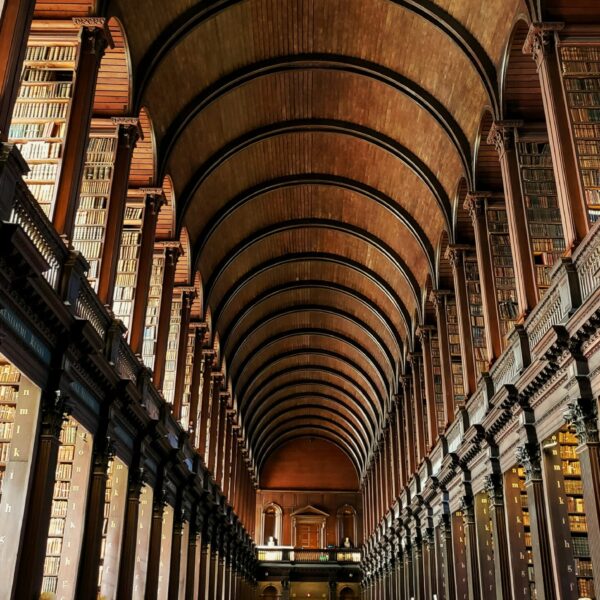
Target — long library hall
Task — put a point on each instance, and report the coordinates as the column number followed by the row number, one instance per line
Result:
column 299, row 299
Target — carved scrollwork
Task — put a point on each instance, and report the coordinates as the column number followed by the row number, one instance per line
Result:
column 583, row 418
column 528, row 456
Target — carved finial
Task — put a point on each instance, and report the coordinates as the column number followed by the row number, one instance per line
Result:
column 528, row 456
column 583, row 418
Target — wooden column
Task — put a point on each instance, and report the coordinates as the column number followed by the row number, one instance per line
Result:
column 220, row 587
column 473, row 578
column 394, row 451
column 15, row 22
column 89, row 562
column 416, row 362
column 28, row 577
column 158, row 509
column 207, row 386
column 128, row 133
column 438, row 297
column 215, row 410
column 184, row 328
column 154, row 201
column 175, row 562
column 204, row 571
column 226, row 486
column 475, row 204
column 502, row 568
column 164, row 317
column 528, row 456
column 197, row 367
column 502, row 135
column 419, row 571
column 456, row 256
column 403, row 478
column 424, row 334
column 214, row 570
column 94, row 41
column 447, row 556
column 191, row 582
column 130, row 527
column 541, row 44
column 429, row 565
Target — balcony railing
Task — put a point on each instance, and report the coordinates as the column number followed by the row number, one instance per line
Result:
column 304, row 555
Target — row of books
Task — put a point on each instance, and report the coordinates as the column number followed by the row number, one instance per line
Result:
column 50, row 53
column 584, row 99
column 6, row 430
column 585, row 115
column 7, row 412
column 66, row 453
column 536, row 160
column 54, row 89
column 35, row 131
column 40, row 150
column 582, row 84
column 42, row 172
column 40, row 110
column 95, row 187
column 575, row 504
column 92, row 203
column 89, row 234
column 8, row 374
column 98, row 172
column 579, row 53
column 54, row 546
column 62, row 489
column 57, row 526
column 548, row 230
column 589, row 131
column 580, row 67
column 577, row 523
column 90, row 217
column 591, row 178
column 44, row 194
column 134, row 213
column 537, row 175
column 588, row 147
column 38, row 75
column 64, row 471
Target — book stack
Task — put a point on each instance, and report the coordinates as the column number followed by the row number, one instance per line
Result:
column 458, row 386
column 543, row 215
column 10, row 379
column 94, row 196
column 168, row 389
column 581, row 79
column 153, row 308
column 436, row 365
column 187, row 386
column 41, row 112
column 476, row 312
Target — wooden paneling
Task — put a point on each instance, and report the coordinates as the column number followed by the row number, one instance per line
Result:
column 65, row 9
column 143, row 164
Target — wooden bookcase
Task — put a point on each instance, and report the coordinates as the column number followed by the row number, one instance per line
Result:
column 459, row 549
column 519, row 532
column 476, row 312
column 10, row 379
column 153, row 309
column 485, row 544
column 436, row 366
column 129, row 257
column 40, row 116
column 581, row 80
column 567, row 512
column 168, row 388
column 503, row 265
column 94, row 196
column 187, row 385
column 539, row 194
column 105, row 520
column 423, row 402
column 60, row 504
column 458, row 386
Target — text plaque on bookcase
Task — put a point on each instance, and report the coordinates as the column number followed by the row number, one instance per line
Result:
column 581, row 79
column 39, row 121
column 94, row 196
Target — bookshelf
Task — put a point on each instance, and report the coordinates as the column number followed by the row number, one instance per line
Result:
column 476, row 312
column 39, row 121
column 168, row 389
column 187, row 385
column 485, row 543
column 519, row 531
column 563, row 470
column 424, row 403
column 504, row 270
column 459, row 548
column 60, row 503
column 10, row 379
column 129, row 256
column 153, row 309
column 543, row 215
column 458, row 387
column 94, row 196
column 436, row 366
column 581, row 80
column 105, row 520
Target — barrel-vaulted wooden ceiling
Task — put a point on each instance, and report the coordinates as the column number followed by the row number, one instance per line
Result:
column 315, row 148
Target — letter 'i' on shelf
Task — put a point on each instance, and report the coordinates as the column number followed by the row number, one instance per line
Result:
column 10, row 379
column 153, row 309
column 581, row 80
column 476, row 311
column 94, row 196
column 41, row 112
column 60, row 501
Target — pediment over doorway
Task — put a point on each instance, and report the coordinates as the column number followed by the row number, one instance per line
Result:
column 308, row 511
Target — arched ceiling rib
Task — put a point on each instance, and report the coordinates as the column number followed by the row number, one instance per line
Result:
column 314, row 147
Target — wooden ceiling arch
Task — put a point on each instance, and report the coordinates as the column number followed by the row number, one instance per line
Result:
column 315, row 150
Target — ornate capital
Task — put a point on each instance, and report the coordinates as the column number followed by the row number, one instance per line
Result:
column 582, row 416
column 474, row 204
column 540, row 40
column 493, row 486
column 528, row 456
column 55, row 409
column 502, row 135
column 137, row 479
column 95, row 36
